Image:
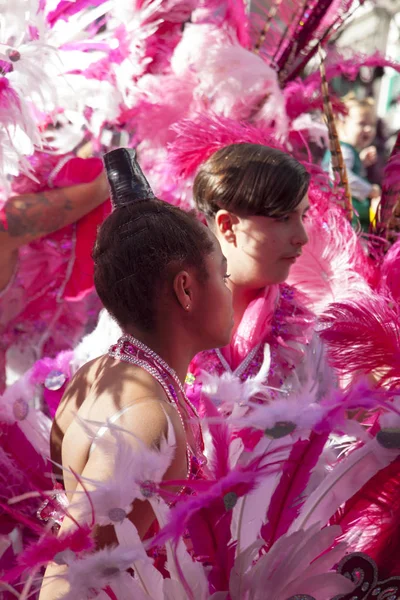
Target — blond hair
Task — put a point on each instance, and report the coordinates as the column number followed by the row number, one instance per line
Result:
column 351, row 100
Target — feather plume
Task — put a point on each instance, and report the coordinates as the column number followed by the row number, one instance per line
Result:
column 297, row 563
column 219, row 462
column 231, row 394
column 66, row 9
column 128, row 476
column 388, row 209
column 390, row 271
column 239, row 481
column 338, row 166
column 364, row 336
column 250, row 512
column 343, row 482
column 199, row 138
column 290, row 494
column 96, row 571
column 329, row 269
column 370, row 519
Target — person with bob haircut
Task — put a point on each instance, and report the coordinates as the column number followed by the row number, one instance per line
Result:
column 255, row 201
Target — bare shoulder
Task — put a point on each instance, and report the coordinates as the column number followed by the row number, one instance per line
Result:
column 104, row 387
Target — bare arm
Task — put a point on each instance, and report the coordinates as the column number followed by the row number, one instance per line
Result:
column 31, row 216
column 147, row 421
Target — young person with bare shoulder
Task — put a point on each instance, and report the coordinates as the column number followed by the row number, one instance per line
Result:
column 162, row 276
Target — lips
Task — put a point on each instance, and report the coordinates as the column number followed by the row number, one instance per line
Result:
column 294, row 257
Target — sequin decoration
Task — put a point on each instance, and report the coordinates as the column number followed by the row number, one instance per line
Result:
column 55, row 380
column 64, row 557
column 230, row 500
column 148, row 489
column 280, row 429
column 190, row 379
column 389, row 438
column 20, row 409
column 13, row 55
column 363, row 572
column 117, row 515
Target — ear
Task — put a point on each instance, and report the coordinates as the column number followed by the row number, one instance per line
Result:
column 225, row 224
column 183, row 285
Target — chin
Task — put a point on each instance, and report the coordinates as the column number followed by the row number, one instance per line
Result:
column 279, row 278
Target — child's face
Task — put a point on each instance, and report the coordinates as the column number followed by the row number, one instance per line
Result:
column 359, row 127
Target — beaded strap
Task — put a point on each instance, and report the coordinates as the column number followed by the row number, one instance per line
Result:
column 158, row 371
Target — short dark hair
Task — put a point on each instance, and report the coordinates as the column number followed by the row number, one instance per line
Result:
column 250, row 180
column 139, row 247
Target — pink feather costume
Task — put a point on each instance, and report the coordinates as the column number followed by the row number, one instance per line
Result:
column 278, row 319
column 48, row 303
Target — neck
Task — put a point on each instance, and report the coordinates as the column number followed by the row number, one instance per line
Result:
column 176, row 355
column 241, row 298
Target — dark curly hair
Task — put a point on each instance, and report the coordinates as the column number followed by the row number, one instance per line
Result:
column 250, row 180
column 139, row 247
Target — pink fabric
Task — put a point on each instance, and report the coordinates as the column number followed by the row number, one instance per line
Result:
column 277, row 318
column 254, row 326
column 49, row 302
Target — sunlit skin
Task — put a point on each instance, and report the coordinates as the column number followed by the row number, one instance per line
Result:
column 358, row 128
column 259, row 250
column 192, row 314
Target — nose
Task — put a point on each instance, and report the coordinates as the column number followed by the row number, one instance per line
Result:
column 300, row 238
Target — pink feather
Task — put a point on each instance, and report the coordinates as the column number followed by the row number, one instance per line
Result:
column 374, row 512
column 66, row 9
column 44, row 550
column 199, row 138
column 221, row 438
column 288, row 497
column 364, row 336
column 332, row 263
column 390, row 272
column 343, row 482
column 239, row 481
column 237, row 17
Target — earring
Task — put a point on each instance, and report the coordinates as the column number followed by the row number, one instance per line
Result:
column 187, row 306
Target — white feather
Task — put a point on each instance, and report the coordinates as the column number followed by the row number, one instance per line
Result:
column 345, row 479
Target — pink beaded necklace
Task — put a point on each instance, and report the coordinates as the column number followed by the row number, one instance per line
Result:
column 133, row 351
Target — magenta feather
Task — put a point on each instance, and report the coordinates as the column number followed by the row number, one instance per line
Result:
column 364, row 336
column 390, row 272
column 374, row 512
column 289, row 495
column 221, row 438
column 390, row 189
column 348, row 476
column 240, row 481
column 66, row 9
column 305, row 95
column 332, row 265
column 199, row 138
column 41, row 552
column 210, row 533
column 237, row 17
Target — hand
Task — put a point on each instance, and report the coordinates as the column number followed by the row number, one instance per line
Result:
column 369, row 156
column 375, row 192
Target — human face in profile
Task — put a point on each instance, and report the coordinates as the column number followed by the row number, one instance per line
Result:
column 260, row 250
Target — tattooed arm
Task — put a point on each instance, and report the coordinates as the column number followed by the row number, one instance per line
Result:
column 32, row 216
